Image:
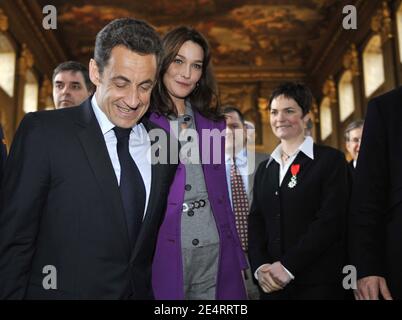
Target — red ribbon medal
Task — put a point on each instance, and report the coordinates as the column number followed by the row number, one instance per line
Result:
column 294, row 169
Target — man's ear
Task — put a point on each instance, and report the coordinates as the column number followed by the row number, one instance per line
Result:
column 94, row 74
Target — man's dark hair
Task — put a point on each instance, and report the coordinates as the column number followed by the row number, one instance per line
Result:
column 228, row 109
column 135, row 35
column 296, row 91
column 74, row 66
column 353, row 125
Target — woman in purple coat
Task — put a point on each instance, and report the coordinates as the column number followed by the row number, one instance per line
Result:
column 198, row 253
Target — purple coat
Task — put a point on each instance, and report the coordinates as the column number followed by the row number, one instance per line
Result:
column 167, row 269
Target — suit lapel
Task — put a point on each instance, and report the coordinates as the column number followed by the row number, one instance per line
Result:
column 93, row 142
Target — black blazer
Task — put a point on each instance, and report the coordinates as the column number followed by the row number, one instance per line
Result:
column 303, row 227
column 61, row 206
column 376, row 208
column 3, row 153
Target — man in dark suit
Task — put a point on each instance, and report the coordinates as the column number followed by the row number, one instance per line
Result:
column 242, row 159
column 376, row 208
column 71, row 84
column 82, row 202
column 3, row 153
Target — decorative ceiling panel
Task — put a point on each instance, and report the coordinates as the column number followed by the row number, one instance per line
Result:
column 242, row 33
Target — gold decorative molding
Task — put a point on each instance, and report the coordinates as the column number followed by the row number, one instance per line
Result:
column 351, row 60
column 314, row 112
column 256, row 75
column 329, row 89
column 26, row 60
column 334, row 41
column 3, row 21
column 381, row 22
column 37, row 29
column 45, row 93
column 263, row 109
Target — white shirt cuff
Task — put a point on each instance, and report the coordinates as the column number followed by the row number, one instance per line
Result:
column 289, row 273
column 256, row 272
column 292, row 277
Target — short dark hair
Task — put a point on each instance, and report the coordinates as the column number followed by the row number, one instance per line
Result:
column 136, row 35
column 296, row 91
column 74, row 66
column 353, row 125
column 228, row 109
column 204, row 97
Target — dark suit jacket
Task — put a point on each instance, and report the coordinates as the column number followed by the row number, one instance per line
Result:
column 3, row 154
column 62, row 207
column 352, row 169
column 376, row 209
column 303, row 227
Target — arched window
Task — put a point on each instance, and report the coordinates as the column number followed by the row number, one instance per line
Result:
column 373, row 65
column 7, row 65
column 346, row 96
column 31, row 91
column 325, row 118
column 399, row 26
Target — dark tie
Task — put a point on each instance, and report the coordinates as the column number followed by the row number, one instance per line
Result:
column 240, row 204
column 132, row 187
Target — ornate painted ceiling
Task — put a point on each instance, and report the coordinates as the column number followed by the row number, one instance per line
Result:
column 243, row 33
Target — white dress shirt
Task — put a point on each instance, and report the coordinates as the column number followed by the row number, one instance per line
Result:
column 139, row 147
column 306, row 147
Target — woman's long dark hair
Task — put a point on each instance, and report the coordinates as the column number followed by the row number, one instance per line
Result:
column 204, row 97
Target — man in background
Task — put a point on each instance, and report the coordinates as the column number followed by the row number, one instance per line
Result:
column 353, row 137
column 241, row 164
column 71, row 84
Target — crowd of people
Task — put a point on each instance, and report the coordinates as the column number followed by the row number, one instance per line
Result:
column 83, row 192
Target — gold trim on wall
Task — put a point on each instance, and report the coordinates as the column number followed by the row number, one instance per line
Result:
column 45, row 92
column 351, row 60
column 26, row 60
column 381, row 22
column 329, row 89
column 3, row 21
